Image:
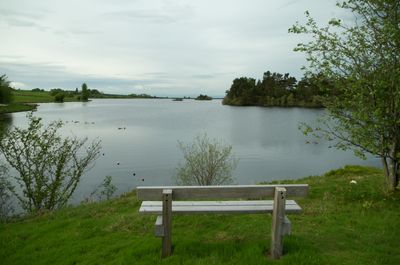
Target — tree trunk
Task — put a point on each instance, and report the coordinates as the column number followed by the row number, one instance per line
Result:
column 385, row 168
column 391, row 168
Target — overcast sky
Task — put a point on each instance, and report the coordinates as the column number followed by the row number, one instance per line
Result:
column 158, row 47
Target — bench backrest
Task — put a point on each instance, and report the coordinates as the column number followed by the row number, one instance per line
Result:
column 154, row 193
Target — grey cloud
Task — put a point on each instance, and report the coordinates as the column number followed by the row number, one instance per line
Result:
column 210, row 75
column 5, row 12
column 151, row 16
column 50, row 75
column 22, row 18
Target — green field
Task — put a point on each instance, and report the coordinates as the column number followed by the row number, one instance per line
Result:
column 25, row 100
column 26, row 96
column 342, row 223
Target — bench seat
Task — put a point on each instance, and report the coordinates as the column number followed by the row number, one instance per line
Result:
column 223, row 207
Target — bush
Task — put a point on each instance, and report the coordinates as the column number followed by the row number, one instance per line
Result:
column 49, row 166
column 59, row 97
column 207, row 162
column 104, row 191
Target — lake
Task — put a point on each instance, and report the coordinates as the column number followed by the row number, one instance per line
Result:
column 140, row 139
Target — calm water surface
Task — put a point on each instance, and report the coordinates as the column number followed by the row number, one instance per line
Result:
column 266, row 141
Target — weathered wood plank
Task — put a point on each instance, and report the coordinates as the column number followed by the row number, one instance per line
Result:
column 159, row 228
column 224, row 207
column 167, row 223
column 216, row 203
column 278, row 216
column 220, row 192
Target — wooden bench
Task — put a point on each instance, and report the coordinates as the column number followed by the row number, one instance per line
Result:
column 164, row 201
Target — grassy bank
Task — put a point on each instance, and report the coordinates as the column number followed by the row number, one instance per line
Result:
column 16, row 107
column 26, row 100
column 342, row 223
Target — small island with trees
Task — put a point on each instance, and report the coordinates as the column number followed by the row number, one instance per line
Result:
column 203, row 97
column 278, row 90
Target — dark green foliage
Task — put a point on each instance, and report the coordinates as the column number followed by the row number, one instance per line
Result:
column 84, row 93
column 94, row 92
column 37, row 90
column 274, row 90
column 5, row 90
column 59, row 97
column 55, row 91
column 203, row 97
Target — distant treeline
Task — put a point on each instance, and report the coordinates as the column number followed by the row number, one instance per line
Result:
column 92, row 93
column 277, row 89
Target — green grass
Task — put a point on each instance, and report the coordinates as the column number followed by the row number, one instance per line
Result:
column 25, row 100
column 16, row 107
column 26, row 96
column 342, row 223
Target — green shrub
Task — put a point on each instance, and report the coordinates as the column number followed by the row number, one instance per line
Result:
column 59, row 97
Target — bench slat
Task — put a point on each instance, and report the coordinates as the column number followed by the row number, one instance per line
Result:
column 216, row 203
column 220, row 192
column 223, row 207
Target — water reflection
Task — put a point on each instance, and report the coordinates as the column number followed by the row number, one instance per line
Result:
column 6, row 121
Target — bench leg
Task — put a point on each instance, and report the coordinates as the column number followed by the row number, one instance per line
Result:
column 167, row 223
column 159, row 228
column 287, row 226
column 278, row 217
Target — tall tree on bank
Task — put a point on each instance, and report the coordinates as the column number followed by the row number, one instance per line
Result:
column 362, row 59
column 5, row 90
column 85, row 92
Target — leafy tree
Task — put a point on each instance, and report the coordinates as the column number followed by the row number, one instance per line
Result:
column 5, row 90
column 49, row 166
column 85, row 93
column 59, row 97
column 362, row 61
column 56, row 91
column 207, row 162
column 240, row 92
column 37, row 90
